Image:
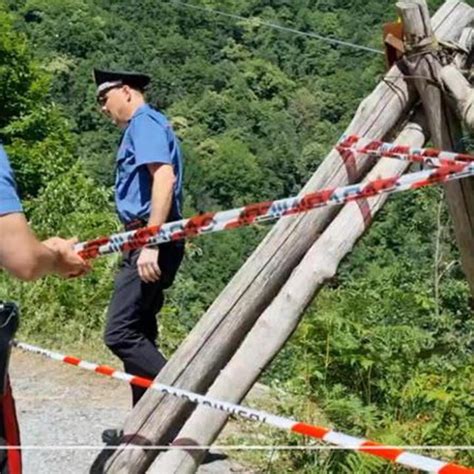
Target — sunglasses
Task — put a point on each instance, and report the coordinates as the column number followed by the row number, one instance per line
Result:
column 103, row 97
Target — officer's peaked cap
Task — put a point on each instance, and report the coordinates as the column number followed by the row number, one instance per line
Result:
column 108, row 79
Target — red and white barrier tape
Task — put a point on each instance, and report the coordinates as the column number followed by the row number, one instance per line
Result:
column 270, row 210
column 377, row 148
column 394, row 454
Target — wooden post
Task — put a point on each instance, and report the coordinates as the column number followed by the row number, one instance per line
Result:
column 221, row 330
column 457, row 85
column 444, row 126
column 282, row 316
column 462, row 92
column 466, row 42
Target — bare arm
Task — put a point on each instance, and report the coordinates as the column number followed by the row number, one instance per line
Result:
column 21, row 254
column 26, row 258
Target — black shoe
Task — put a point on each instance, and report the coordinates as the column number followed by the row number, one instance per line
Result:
column 112, row 436
column 212, row 456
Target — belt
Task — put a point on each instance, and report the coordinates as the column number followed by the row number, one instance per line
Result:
column 136, row 224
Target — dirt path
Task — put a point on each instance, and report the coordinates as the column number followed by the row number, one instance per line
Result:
column 62, row 412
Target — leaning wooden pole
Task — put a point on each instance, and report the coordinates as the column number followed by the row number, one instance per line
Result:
column 221, row 330
column 459, row 87
column 422, row 60
column 465, row 59
column 462, row 93
column 282, row 316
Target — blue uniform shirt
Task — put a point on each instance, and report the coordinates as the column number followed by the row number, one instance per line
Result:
column 147, row 139
column 9, row 201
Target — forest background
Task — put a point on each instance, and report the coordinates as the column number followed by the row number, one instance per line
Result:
column 386, row 349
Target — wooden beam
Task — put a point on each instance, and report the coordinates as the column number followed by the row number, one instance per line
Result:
column 455, row 82
column 445, row 128
column 461, row 91
column 213, row 341
column 466, row 43
column 282, row 316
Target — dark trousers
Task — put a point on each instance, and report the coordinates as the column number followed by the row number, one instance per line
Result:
column 131, row 329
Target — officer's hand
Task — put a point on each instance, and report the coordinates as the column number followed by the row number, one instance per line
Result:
column 68, row 264
column 147, row 265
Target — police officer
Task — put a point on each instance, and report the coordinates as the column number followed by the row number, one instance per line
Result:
column 148, row 191
column 22, row 255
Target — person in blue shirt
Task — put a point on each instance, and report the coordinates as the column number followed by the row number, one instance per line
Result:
column 26, row 258
column 21, row 253
column 148, row 192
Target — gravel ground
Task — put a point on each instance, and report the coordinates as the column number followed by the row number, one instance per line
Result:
column 62, row 412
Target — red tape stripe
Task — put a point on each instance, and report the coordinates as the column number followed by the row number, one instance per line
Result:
column 386, row 453
column 453, row 469
column 141, row 382
column 364, row 208
column 349, row 160
column 72, row 360
column 105, row 370
column 310, row 430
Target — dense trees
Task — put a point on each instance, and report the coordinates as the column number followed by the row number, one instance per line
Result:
column 384, row 351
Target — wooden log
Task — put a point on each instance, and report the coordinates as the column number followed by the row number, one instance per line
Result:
column 443, row 124
column 458, row 86
column 450, row 20
column 466, row 43
column 220, row 331
column 462, row 92
column 281, row 317
column 466, row 40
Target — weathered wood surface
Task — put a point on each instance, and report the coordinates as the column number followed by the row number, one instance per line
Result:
column 455, row 82
column 220, row 331
column 443, row 124
column 281, row 317
column 462, row 92
column 466, row 42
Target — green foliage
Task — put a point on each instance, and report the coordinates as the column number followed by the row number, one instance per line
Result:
column 39, row 143
column 385, row 353
column 41, row 148
column 17, row 81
